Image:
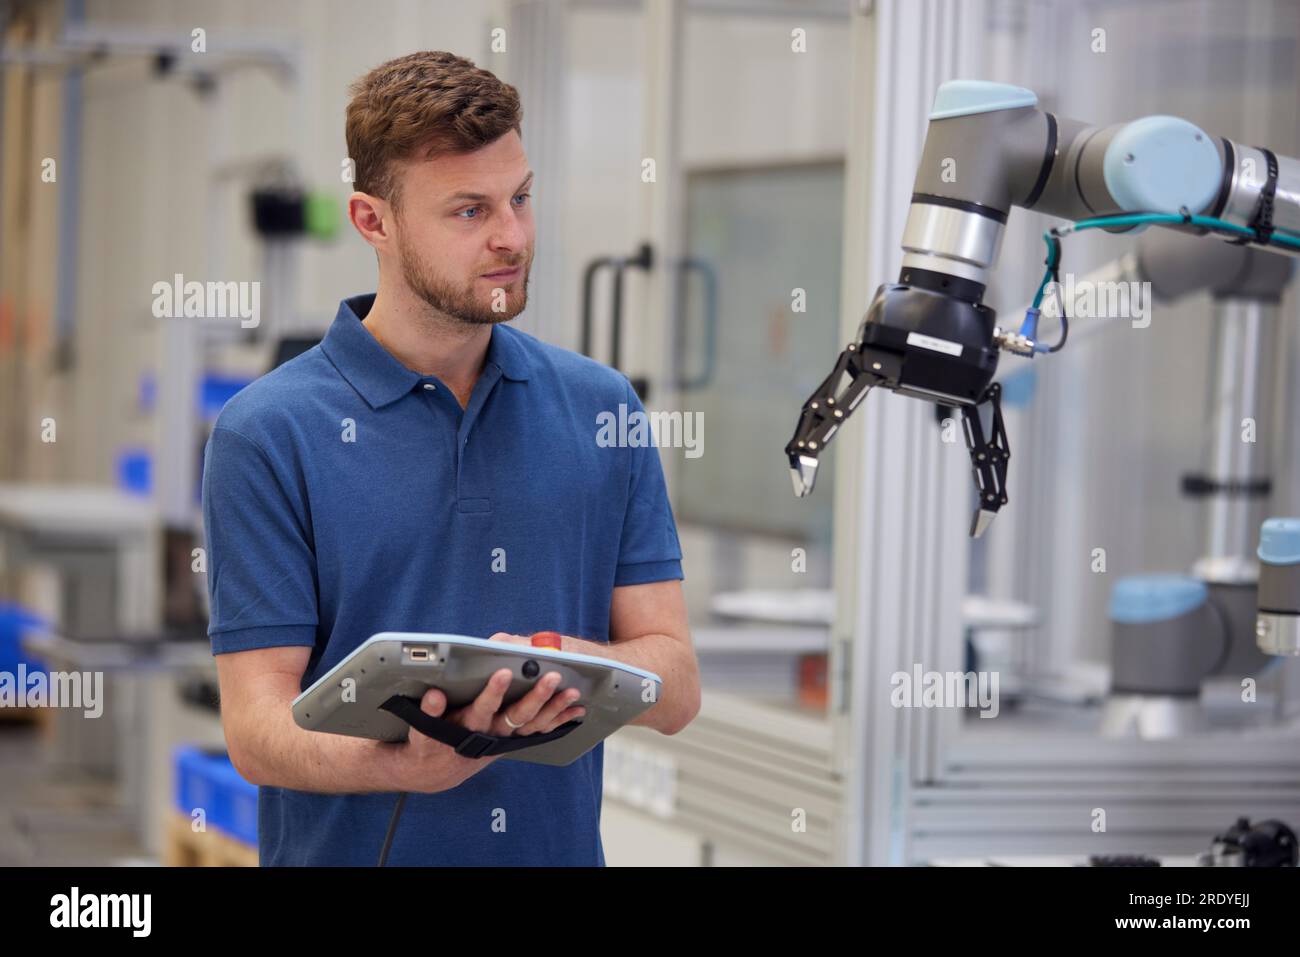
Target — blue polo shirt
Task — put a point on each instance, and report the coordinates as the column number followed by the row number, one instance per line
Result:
column 344, row 495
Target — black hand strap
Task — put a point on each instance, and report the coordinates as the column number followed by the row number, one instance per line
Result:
column 470, row 744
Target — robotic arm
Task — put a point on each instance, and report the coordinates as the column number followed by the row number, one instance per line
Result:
column 989, row 148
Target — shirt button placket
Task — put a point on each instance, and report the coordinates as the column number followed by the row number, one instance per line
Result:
column 429, row 389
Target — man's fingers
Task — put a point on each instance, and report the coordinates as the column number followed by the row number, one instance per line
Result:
column 434, row 703
column 541, row 709
column 479, row 715
column 564, row 717
column 544, row 719
column 511, row 639
column 527, row 708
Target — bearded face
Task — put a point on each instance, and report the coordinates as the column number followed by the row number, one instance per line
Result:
column 476, row 298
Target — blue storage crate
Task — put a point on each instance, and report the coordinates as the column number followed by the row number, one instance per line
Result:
column 15, row 620
column 196, row 785
column 135, row 471
column 216, row 390
column 238, row 803
column 207, row 779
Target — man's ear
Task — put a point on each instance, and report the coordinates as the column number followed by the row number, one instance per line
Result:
column 372, row 217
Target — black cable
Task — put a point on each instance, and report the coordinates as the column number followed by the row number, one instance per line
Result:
column 1065, row 319
column 392, row 829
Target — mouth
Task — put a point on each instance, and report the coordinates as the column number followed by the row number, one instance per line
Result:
column 503, row 274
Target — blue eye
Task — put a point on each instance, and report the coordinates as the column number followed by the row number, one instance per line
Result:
column 470, row 209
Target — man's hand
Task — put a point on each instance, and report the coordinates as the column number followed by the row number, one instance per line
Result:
column 579, row 646
column 512, row 639
column 544, row 708
column 434, row 766
column 647, row 629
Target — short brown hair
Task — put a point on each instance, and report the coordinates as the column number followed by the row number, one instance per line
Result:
column 429, row 103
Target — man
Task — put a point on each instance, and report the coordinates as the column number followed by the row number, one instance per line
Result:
column 428, row 468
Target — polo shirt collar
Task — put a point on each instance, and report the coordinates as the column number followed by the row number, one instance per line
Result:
column 507, row 351
column 379, row 377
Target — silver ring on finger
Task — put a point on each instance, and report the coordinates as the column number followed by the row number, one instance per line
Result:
column 514, row 726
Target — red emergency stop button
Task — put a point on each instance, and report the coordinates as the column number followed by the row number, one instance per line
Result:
column 547, row 639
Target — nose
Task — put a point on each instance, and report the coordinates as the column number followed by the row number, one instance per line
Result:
column 511, row 234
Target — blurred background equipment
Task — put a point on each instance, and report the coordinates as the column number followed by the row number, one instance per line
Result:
column 1136, row 600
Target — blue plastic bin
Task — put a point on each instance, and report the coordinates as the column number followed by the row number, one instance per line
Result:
column 15, row 620
column 206, row 779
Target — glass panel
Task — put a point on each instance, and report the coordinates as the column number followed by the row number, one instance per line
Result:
column 767, row 234
column 758, row 582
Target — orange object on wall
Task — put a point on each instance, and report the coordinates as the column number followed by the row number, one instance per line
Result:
column 813, row 692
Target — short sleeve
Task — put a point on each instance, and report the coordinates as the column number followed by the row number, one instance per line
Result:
column 649, row 550
column 261, row 565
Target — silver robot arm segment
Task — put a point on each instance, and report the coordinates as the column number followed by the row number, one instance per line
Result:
column 989, row 148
